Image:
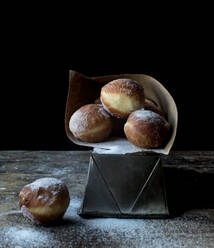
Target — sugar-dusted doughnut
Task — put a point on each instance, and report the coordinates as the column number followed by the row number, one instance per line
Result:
column 146, row 129
column 91, row 123
column 120, row 97
column 45, row 200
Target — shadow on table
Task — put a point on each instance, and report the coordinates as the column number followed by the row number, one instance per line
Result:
column 188, row 189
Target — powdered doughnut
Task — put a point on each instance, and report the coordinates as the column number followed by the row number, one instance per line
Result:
column 146, row 129
column 91, row 123
column 120, row 97
column 44, row 201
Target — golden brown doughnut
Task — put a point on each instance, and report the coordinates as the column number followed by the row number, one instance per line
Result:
column 120, row 97
column 91, row 123
column 44, row 201
column 146, row 129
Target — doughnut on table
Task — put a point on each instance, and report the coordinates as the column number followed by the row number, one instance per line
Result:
column 189, row 184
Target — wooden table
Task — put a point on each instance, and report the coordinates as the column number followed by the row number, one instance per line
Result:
column 189, row 183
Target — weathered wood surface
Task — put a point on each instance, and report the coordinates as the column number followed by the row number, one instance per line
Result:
column 189, row 183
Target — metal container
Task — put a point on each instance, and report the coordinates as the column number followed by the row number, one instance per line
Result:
column 125, row 186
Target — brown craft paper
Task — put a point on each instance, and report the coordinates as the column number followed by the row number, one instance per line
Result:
column 84, row 90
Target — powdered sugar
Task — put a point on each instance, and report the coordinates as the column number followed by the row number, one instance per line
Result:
column 26, row 237
column 150, row 233
column 40, row 197
column 113, row 226
column 103, row 112
column 146, row 115
column 28, row 214
column 191, row 230
column 80, row 119
column 126, row 86
column 45, row 183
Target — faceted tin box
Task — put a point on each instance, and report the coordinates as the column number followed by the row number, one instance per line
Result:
column 125, row 186
column 123, row 180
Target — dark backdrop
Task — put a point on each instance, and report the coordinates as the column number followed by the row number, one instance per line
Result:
column 34, row 81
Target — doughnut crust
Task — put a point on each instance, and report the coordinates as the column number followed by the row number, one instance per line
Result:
column 120, row 97
column 146, row 129
column 91, row 123
column 44, row 201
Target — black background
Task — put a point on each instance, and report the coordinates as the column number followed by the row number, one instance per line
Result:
column 35, row 68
